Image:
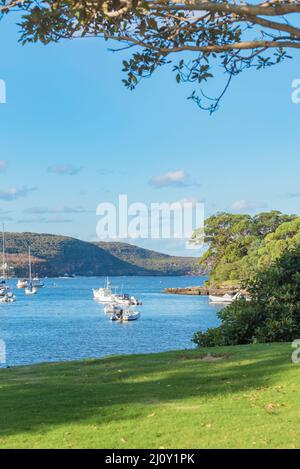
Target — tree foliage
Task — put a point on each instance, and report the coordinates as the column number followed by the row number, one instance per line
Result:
column 196, row 36
column 272, row 315
column 240, row 245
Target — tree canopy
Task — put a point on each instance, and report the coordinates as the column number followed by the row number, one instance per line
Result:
column 195, row 36
column 240, row 245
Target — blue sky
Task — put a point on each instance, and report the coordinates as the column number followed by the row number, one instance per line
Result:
column 72, row 136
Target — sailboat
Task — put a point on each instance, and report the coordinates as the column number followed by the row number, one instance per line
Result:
column 30, row 289
column 6, row 294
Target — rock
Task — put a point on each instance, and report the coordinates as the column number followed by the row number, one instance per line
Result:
column 187, row 291
column 203, row 290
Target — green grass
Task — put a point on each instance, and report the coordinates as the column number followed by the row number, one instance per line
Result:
column 249, row 398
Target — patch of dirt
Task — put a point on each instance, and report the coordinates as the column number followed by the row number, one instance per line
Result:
column 213, row 358
column 207, row 358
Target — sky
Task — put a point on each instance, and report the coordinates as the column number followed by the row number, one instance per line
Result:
column 72, row 136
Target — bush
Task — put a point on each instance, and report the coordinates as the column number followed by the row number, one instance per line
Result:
column 272, row 315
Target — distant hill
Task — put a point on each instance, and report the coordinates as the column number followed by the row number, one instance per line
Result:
column 54, row 255
column 155, row 262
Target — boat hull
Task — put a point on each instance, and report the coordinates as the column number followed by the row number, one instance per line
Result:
column 30, row 291
column 221, row 299
column 98, row 295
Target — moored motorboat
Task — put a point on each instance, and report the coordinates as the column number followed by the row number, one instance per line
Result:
column 22, row 283
column 225, row 299
column 104, row 295
column 37, row 283
column 9, row 297
column 112, row 308
column 122, row 300
column 125, row 316
column 127, row 300
column 4, row 288
column 135, row 301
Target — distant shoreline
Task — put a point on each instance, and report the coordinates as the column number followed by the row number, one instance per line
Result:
column 55, row 256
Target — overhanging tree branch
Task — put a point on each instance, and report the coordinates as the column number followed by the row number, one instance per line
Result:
column 206, row 34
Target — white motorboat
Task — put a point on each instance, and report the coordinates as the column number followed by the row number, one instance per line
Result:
column 125, row 316
column 22, row 283
column 225, row 299
column 37, row 283
column 123, row 300
column 135, row 301
column 4, row 288
column 127, row 300
column 9, row 297
column 30, row 289
column 104, row 295
column 112, row 308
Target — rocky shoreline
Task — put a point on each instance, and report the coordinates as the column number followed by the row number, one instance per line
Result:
column 203, row 291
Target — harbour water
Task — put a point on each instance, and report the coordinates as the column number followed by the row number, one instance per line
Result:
column 64, row 322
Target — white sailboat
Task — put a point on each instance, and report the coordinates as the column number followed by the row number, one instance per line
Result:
column 6, row 293
column 30, row 289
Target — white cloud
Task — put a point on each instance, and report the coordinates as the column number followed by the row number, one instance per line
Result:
column 247, row 206
column 13, row 193
column 57, row 219
column 293, row 195
column 45, row 210
column 64, row 169
column 3, row 165
column 178, row 178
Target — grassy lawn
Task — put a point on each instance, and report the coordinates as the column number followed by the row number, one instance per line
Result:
column 248, row 397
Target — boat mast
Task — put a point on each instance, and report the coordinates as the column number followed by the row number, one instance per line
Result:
column 29, row 258
column 3, row 254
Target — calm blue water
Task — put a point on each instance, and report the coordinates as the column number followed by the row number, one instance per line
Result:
column 63, row 322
